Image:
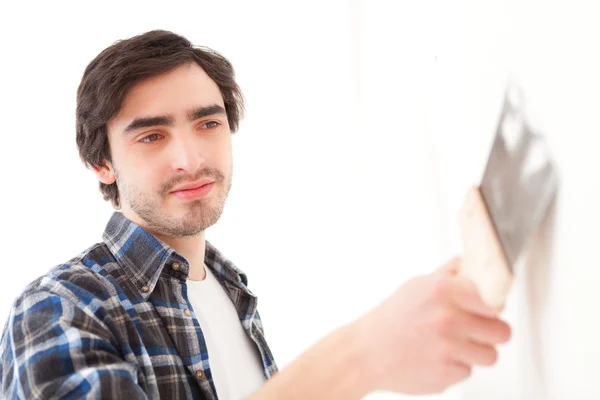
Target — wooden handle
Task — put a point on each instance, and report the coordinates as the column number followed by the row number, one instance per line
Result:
column 483, row 260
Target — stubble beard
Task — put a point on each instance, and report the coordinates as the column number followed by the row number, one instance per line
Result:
column 199, row 215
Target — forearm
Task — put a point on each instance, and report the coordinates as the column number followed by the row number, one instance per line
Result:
column 332, row 369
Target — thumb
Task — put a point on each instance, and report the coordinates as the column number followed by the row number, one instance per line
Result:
column 451, row 267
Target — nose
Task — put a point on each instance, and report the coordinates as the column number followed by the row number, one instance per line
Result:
column 186, row 153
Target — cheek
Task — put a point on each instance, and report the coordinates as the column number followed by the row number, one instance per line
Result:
column 221, row 157
column 146, row 178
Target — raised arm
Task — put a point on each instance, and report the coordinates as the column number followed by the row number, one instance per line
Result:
column 422, row 339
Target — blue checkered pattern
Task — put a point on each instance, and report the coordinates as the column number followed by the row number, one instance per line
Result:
column 110, row 323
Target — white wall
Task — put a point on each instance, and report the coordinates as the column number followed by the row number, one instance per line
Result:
column 351, row 164
column 550, row 48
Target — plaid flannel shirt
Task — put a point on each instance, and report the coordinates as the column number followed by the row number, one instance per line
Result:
column 115, row 322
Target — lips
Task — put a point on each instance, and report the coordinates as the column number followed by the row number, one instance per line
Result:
column 193, row 185
column 193, row 193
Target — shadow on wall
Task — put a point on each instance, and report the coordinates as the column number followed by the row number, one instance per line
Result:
column 536, row 274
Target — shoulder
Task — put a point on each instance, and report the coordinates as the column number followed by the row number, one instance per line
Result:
column 61, row 323
column 79, row 293
column 84, row 282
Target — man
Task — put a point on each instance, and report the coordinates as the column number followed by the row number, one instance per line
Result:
column 156, row 311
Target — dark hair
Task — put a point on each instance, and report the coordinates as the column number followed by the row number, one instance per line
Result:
column 110, row 75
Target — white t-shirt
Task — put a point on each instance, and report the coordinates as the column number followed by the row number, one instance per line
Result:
column 234, row 359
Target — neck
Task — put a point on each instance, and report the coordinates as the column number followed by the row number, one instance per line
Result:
column 192, row 248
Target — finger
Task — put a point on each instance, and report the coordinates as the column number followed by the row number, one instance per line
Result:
column 458, row 371
column 446, row 374
column 484, row 330
column 451, row 267
column 465, row 326
column 473, row 353
column 465, row 296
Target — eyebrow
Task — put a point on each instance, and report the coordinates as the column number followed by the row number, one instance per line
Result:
column 168, row 120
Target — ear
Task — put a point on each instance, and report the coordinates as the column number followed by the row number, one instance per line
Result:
column 105, row 173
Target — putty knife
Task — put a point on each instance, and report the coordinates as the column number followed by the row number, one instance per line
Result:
column 498, row 217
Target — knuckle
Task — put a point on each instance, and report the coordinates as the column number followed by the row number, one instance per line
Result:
column 447, row 373
column 445, row 321
column 444, row 351
column 440, row 373
column 441, row 289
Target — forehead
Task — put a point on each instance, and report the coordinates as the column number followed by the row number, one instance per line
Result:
column 174, row 92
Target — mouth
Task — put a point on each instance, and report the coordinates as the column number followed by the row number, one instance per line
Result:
column 193, row 192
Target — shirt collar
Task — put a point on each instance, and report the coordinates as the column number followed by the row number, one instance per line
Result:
column 143, row 257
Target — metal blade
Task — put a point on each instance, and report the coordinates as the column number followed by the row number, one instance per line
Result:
column 519, row 181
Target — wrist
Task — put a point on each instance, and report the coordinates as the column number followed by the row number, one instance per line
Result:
column 358, row 362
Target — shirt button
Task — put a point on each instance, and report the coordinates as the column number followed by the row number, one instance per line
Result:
column 187, row 312
column 176, row 266
column 199, row 374
column 145, row 289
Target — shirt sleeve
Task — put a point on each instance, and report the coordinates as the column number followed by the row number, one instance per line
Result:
column 51, row 348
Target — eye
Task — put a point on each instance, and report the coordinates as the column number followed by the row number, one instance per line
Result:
column 210, row 125
column 147, row 139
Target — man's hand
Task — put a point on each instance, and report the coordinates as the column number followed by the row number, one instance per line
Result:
column 423, row 338
column 429, row 334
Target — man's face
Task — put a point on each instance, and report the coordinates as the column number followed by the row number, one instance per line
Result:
column 172, row 130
